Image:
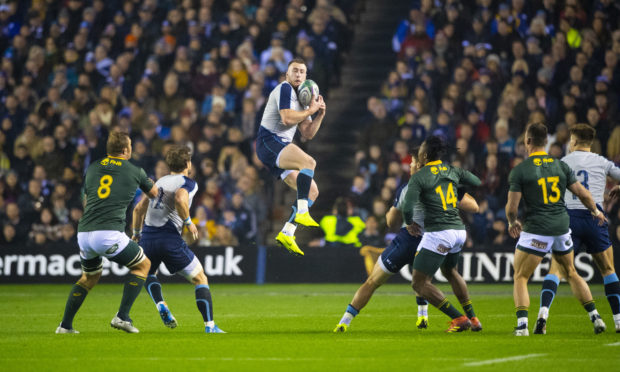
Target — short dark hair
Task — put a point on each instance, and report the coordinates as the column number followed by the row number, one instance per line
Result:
column 177, row 158
column 538, row 133
column 296, row 60
column 435, row 148
column 342, row 206
column 415, row 152
column 585, row 134
column 117, row 142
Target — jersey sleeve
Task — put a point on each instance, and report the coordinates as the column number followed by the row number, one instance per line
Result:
column 286, row 91
column 612, row 170
column 189, row 184
column 467, row 178
column 514, row 180
column 145, row 183
column 570, row 174
column 410, row 199
column 397, row 198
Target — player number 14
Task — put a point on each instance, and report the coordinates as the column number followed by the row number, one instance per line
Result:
column 449, row 198
column 554, row 188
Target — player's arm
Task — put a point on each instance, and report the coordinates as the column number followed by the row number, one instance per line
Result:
column 411, row 198
column 153, row 192
column 614, row 172
column 469, row 179
column 139, row 212
column 393, row 217
column 512, row 211
column 181, row 203
column 468, row 204
column 586, row 199
column 308, row 127
column 292, row 117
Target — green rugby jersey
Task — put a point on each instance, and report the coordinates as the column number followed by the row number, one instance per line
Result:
column 542, row 181
column 110, row 185
column 435, row 186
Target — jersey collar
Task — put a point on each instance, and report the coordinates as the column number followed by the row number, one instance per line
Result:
column 538, row 153
column 436, row 162
column 115, row 157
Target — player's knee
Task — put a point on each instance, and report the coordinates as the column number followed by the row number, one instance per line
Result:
column 314, row 192
column 310, row 163
column 199, row 279
column 142, row 268
column 89, row 281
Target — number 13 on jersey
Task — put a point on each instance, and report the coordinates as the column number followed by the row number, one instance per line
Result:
column 449, row 198
column 554, row 188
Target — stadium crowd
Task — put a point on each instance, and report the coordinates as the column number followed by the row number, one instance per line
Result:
column 194, row 72
column 477, row 72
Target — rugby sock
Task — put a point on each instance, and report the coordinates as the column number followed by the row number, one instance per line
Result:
column 75, row 300
column 612, row 291
column 522, row 315
column 591, row 309
column 349, row 315
column 132, row 289
column 290, row 226
column 154, row 289
column 422, row 306
column 304, row 180
column 446, row 307
column 468, row 307
column 547, row 294
column 204, row 303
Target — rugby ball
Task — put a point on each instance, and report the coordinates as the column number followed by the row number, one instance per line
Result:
column 305, row 91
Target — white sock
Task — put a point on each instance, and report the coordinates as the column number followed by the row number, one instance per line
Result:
column 210, row 324
column 593, row 313
column 521, row 321
column 346, row 318
column 422, row 310
column 302, row 206
column 543, row 312
column 616, row 318
column 289, row 229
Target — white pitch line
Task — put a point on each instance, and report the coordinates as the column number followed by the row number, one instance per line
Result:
column 614, row 344
column 502, row 360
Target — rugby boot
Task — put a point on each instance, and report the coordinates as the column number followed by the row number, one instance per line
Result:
column 341, row 328
column 422, row 322
column 289, row 243
column 305, row 219
column 476, row 326
column 460, row 324
column 541, row 327
column 521, row 330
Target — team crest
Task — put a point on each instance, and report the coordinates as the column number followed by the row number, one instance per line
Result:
column 105, row 161
column 434, row 170
column 537, row 162
column 112, row 249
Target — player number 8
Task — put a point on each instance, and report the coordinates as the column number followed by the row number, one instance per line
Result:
column 104, row 186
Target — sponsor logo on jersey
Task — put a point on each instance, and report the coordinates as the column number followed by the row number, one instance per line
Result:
column 538, row 244
column 108, row 161
column 105, row 161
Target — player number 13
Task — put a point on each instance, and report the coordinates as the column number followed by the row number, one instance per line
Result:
column 554, row 188
column 449, row 198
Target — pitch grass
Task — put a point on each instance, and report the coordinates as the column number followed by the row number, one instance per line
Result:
column 289, row 328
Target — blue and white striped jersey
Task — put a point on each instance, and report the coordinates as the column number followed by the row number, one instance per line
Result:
column 418, row 208
column 162, row 216
column 281, row 97
column 591, row 170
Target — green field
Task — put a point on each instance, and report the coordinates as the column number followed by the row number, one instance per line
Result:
column 289, row 328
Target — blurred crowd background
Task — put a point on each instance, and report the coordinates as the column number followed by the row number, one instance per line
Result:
column 198, row 72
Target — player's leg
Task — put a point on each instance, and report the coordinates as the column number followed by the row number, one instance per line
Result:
column 294, row 158
column 132, row 257
column 153, row 249
column 605, row 262
column 524, row 265
column 547, row 294
column 286, row 237
column 204, row 300
column 580, row 288
column 459, row 287
column 91, row 272
column 377, row 278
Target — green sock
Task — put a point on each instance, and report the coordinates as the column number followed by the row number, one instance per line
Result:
column 522, row 313
column 469, row 309
column 75, row 300
column 132, row 289
column 446, row 307
column 589, row 306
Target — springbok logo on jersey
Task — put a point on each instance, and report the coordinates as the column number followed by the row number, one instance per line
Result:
column 537, row 162
column 105, row 161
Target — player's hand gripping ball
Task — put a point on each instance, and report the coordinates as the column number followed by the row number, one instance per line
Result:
column 306, row 90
